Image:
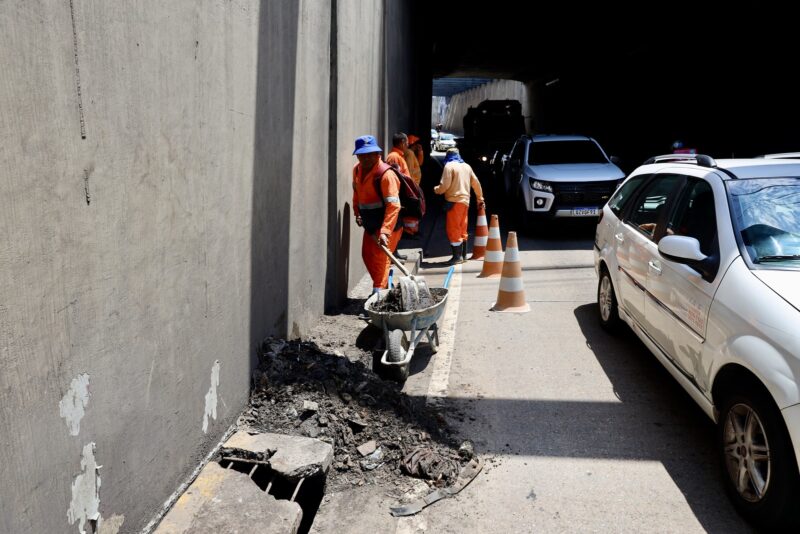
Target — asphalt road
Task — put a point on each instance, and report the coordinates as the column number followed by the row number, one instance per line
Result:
column 586, row 431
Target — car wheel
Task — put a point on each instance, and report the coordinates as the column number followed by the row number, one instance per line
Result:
column 758, row 462
column 607, row 309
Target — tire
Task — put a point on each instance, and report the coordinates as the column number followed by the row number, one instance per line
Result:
column 607, row 308
column 398, row 346
column 764, row 491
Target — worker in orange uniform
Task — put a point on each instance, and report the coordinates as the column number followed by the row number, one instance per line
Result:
column 416, row 148
column 457, row 179
column 376, row 205
column 412, row 161
column 397, row 157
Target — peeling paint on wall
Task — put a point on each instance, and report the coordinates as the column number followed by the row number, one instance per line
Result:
column 85, row 504
column 211, row 396
column 72, row 406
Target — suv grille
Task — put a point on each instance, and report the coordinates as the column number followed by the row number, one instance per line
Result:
column 586, row 193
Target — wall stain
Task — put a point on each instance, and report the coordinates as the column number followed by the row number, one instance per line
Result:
column 85, row 505
column 86, row 174
column 211, row 397
column 72, row 406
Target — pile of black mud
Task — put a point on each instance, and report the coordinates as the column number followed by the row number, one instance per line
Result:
column 373, row 426
column 392, row 301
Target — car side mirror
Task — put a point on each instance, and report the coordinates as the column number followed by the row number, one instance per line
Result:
column 686, row 250
column 615, row 160
column 680, row 249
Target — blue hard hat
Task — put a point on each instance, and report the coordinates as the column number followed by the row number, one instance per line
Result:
column 366, row 144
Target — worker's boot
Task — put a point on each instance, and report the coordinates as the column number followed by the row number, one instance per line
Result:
column 464, row 251
column 457, row 256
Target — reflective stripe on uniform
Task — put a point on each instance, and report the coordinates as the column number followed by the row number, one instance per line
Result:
column 511, row 285
column 512, row 255
column 495, row 256
column 370, row 206
column 392, row 200
column 411, row 224
column 481, row 240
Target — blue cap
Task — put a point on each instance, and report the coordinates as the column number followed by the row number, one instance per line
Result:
column 366, row 144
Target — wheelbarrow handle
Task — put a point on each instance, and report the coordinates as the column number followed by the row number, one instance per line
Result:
column 394, row 260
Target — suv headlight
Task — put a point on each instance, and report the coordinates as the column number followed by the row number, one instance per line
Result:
column 539, row 185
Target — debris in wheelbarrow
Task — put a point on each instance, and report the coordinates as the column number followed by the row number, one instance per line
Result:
column 391, row 302
column 414, row 292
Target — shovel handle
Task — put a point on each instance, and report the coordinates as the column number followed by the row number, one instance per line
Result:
column 394, row 260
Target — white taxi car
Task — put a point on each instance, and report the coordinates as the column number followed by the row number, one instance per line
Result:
column 701, row 258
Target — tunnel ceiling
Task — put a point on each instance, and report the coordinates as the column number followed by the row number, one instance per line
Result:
column 530, row 41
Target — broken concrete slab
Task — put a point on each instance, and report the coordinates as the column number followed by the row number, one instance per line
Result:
column 295, row 457
column 310, row 406
column 225, row 500
column 365, row 449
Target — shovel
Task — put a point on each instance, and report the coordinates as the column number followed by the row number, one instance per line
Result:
column 414, row 290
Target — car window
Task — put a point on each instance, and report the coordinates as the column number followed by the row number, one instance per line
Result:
column 694, row 214
column 624, row 193
column 648, row 207
column 561, row 152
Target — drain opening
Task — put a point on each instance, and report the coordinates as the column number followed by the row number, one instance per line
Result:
column 306, row 492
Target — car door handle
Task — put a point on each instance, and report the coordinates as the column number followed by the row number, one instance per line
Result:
column 619, row 237
column 655, row 266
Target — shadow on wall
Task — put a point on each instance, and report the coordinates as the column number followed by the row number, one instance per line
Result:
column 272, row 169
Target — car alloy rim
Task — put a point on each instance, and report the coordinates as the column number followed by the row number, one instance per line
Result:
column 604, row 298
column 747, row 454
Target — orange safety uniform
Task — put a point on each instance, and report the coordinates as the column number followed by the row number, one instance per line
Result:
column 457, row 179
column 398, row 157
column 379, row 215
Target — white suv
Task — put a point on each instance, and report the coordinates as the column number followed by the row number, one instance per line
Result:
column 549, row 176
column 701, row 258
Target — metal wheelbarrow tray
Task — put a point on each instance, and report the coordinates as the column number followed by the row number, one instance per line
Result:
column 399, row 349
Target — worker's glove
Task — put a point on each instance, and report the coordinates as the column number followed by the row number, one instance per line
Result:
column 383, row 239
column 358, row 220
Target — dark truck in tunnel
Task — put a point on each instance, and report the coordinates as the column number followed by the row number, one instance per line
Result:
column 490, row 130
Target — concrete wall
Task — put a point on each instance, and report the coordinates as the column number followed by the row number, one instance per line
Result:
column 174, row 186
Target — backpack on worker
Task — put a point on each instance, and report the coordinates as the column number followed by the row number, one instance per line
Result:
column 412, row 199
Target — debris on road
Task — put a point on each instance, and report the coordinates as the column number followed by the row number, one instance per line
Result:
column 467, row 475
column 423, row 462
column 372, row 425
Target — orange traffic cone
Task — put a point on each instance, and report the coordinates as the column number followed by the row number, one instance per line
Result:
column 511, row 296
column 493, row 259
column 481, row 236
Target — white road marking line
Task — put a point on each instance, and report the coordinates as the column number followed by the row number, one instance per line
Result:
column 440, row 377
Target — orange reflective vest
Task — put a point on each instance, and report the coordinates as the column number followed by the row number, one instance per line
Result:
column 378, row 213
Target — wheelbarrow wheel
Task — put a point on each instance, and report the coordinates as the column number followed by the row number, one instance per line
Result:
column 397, row 349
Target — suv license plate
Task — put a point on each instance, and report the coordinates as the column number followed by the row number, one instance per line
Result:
column 585, row 212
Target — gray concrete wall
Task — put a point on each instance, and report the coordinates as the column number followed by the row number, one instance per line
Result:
column 165, row 174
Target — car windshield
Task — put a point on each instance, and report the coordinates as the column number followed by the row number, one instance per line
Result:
column 560, row 152
column 446, row 137
column 766, row 213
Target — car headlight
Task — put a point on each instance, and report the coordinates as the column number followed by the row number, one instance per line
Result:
column 539, row 185
column 484, row 158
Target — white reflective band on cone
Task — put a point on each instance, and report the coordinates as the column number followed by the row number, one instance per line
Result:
column 512, row 255
column 481, row 240
column 511, row 285
column 495, row 256
column 481, row 221
column 494, row 232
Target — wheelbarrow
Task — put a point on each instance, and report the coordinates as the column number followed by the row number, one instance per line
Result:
column 398, row 349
